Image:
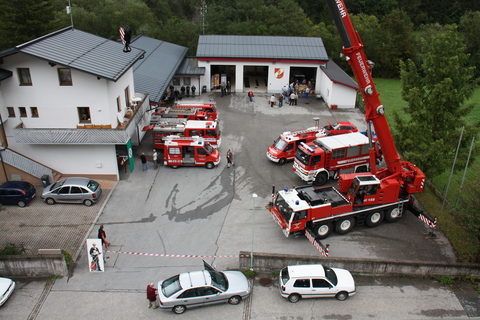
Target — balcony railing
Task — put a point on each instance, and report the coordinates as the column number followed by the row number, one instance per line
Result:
column 94, row 135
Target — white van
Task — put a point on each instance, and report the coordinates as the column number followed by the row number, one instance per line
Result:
column 315, row 281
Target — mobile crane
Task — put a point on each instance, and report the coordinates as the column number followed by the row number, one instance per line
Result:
column 361, row 198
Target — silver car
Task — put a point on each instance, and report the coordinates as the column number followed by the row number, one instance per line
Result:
column 202, row 288
column 73, row 190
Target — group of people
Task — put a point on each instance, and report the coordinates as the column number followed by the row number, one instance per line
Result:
column 144, row 160
column 183, row 92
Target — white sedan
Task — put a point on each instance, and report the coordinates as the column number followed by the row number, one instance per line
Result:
column 6, row 288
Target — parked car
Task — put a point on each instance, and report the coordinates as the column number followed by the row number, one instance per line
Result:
column 339, row 128
column 17, row 192
column 202, row 288
column 315, row 281
column 6, row 288
column 73, row 190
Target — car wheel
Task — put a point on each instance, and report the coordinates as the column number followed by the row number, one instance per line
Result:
column 22, row 204
column 282, row 161
column 174, row 167
column 342, row 296
column 235, row 300
column 294, row 297
column 393, row 215
column 209, row 165
column 50, row 201
column 344, row 226
column 88, row 202
column 179, row 309
column 320, row 179
column 374, row 218
column 322, row 230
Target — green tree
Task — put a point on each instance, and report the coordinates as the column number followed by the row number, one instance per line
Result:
column 468, row 27
column 396, row 43
column 25, row 20
column 436, row 91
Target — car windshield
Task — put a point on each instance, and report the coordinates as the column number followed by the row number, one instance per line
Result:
column 279, row 144
column 219, row 280
column 171, row 286
column 283, row 207
column 57, row 184
column 209, row 148
column 93, row 185
column 330, row 274
column 301, row 156
column 284, row 275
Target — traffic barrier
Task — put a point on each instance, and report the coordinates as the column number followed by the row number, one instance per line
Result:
column 178, row 255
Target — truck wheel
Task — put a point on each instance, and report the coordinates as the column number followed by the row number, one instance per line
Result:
column 374, row 218
column 344, row 226
column 320, row 179
column 393, row 215
column 323, row 230
column 174, row 167
column 209, row 165
column 282, row 161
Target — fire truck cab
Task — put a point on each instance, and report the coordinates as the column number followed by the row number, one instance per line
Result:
column 189, row 151
column 284, row 147
column 323, row 158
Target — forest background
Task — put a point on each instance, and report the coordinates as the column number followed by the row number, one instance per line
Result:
column 427, row 66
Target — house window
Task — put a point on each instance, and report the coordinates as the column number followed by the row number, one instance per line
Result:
column 11, row 112
column 34, row 112
column 65, row 76
column 127, row 96
column 24, row 76
column 23, row 112
column 176, row 81
column 119, row 104
column 84, row 115
column 186, row 81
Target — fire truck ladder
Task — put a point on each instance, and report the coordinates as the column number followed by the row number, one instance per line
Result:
column 316, row 242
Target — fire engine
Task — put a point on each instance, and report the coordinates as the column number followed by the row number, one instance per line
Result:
column 323, row 158
column 361, row 198
column 208, row 130
column 191, row 111
column 189, row 151
column 285, row 146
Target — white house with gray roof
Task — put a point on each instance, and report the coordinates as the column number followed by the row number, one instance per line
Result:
column 67, row 99
column 268, row 63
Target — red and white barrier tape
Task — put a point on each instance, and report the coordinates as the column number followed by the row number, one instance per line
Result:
column 178, row 255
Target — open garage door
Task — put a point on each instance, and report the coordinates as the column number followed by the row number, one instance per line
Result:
column 255, row 78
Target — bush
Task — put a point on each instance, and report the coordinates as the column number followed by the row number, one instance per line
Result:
column 68, row 257
column 11, row 250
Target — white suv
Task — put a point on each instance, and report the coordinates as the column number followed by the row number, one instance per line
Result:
column 315, row 281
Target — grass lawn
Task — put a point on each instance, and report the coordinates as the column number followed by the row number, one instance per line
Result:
column 390, row 95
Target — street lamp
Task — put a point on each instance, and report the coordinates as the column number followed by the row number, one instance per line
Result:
column 253, row 229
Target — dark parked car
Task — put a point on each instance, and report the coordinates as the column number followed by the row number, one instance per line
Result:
column 17, row 192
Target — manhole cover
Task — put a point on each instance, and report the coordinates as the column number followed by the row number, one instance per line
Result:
column 265, row 282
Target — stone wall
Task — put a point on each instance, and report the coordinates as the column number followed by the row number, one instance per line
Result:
column 25, row 266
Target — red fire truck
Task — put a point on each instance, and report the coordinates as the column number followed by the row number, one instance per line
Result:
column 284, row 148
column 189, row 151
column 191, row 111
column 208, row 130
column 361, row 198
column 323, row 158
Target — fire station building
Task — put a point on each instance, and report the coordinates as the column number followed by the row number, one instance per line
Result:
column 268, row 63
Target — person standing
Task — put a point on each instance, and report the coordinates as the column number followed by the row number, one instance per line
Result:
column 280, row 100
column 193, row 90
column 103, row 236
column 144, row 162
column 272, row 101
column 152, row 296
column 230, row 158
column 307, row 92
column 182, row 91
column 222, row 89
column 229, row 87
column 188, row 91
column 250, row 95
column 292, row 98
column 154, row 158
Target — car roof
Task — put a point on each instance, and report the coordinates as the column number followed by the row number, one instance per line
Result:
column 14, row 184
column 195, row 279
column 307, row 270
column 76, row 181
